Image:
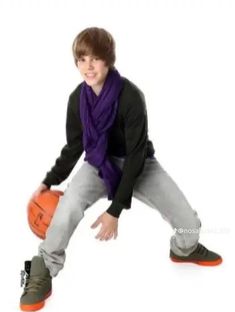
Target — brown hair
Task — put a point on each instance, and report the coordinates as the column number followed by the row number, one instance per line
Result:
column 97, row 42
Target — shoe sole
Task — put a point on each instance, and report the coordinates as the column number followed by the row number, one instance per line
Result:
column 205, row 263
column 35, row 306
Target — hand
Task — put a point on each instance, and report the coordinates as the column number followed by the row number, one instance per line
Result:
column 42, row 187
column 109, row 226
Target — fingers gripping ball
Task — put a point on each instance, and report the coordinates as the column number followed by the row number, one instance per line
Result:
column 40, row 211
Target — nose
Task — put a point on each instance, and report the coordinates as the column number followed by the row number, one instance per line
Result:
column 90, row 64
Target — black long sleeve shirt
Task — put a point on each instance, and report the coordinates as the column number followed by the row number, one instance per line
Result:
column 128, row 138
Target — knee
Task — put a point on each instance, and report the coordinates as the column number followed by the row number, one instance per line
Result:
column 67, row 212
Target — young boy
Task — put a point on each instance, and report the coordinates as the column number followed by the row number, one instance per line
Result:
column 107, row 118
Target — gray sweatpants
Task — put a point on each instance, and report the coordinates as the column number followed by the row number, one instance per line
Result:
column 154, row 187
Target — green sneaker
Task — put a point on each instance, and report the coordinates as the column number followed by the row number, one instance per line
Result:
column 38, row 285
column 201, row 255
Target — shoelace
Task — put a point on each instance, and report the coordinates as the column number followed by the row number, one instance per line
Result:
column 31, row 283
column 202, row 250
column 34, row 283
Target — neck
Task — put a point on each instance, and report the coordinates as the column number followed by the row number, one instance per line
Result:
column 97, row 89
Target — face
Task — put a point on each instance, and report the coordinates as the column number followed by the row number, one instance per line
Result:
column 93, row 70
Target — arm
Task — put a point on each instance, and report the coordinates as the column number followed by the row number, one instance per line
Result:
column 136, row 129
column 71, row 152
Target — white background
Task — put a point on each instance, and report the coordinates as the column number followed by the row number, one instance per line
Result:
column 181, row 54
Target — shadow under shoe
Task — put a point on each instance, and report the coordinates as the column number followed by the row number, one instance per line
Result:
column 201, row 255
column 37, row 284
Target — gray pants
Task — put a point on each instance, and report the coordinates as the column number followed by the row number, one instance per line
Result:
column 154, row 187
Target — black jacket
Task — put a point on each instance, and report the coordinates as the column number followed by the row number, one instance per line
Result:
column 128, row 138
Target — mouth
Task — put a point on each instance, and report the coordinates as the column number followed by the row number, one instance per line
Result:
column 90, row 76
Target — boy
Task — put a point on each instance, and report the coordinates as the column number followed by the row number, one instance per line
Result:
column 107, row 118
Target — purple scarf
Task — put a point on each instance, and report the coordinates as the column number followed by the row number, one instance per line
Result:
column 97, row 116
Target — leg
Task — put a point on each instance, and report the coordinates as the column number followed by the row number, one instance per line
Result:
column 156, row 188
column 85, row 189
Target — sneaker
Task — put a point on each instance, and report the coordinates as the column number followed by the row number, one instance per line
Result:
column 38, row 285
column 201, row 255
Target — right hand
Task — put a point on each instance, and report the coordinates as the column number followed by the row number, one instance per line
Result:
column 42, row 187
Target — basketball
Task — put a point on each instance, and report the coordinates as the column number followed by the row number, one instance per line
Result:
column 40, row 211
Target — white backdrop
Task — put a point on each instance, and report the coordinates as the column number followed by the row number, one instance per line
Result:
column 181, row 54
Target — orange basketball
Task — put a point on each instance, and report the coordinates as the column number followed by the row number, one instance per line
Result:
column 41, row 210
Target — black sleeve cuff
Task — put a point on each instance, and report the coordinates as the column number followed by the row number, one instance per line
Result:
column 51, row 179
column 115, row 209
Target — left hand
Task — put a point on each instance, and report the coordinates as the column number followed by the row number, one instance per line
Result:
column 109, row 226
